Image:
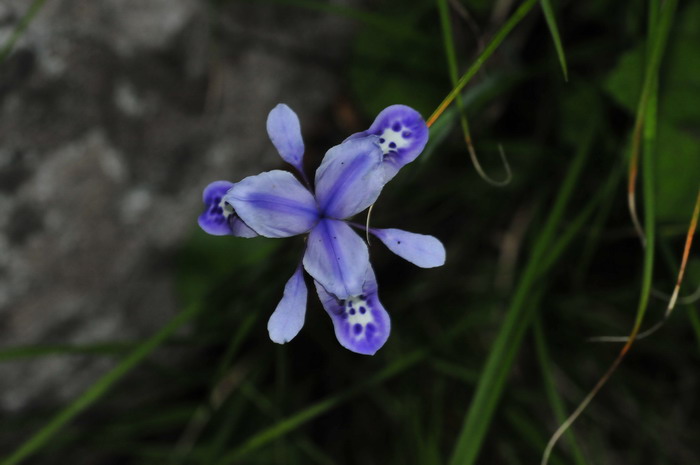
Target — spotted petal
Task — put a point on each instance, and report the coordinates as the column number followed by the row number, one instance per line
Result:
column 419, row 249
column 349, row 178
column 288, row 318
column 285, row 133
column 361, row 324
column 402, row 136
column 274, row 204
column 219, row 218
column 337, row 258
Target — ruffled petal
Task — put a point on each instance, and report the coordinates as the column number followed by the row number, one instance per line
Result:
column 274, row 204
column 349, row 178
column 361, row 324
column 337, row 258
column 214, row 220
column 285, row 133
column 288, row 318
column 420, row 249
column 219, row 218
column 402, row 136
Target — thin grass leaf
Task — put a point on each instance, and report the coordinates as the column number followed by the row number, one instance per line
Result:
column 99, row 388
column 452, row 67
column 291, row 423
column 659, row 31
column 554, row 31
column 22, row 26
column 502, row 33
column 673, row 268
column 555, row 401
column 517, row 320
column 648, row 181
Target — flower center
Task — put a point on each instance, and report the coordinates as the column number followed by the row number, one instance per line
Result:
column 359, row 316
column 395, row 137
column 226, row 208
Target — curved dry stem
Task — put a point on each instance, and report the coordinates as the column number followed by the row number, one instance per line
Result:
column 686, row 300
column 632, row 205
column 480, row 170
column 673, row 298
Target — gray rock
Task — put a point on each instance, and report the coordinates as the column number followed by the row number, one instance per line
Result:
column 114, row 115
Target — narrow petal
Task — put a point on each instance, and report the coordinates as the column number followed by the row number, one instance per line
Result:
column 361, row 324
column 288, row 318
column 285, row 133
column 402, row 136
column 337, row 258
column 419, row 249
column 274, row 204
column 349, row 178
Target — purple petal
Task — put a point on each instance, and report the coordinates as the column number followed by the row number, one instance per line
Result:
column 402, row 136
column 288, row 318
column 285, row 133
column 361, row 324
column 274, row 204
column 419, row 249
column 349, row 178
column 239, row 228
column 337, row 258
column 214, row 220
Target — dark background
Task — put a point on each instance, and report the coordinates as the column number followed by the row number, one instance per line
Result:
column 115, row 114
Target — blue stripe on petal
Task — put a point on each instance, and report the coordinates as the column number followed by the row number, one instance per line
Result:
column 419, row 249
column 361, row 323
column 288, row 318
column 350, row 178
column 285, row 133
column 402, row 136
column 274, row 204
column 337, row 258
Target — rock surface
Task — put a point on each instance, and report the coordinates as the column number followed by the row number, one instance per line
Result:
column 113, row 116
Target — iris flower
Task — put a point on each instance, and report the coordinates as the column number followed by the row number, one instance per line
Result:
column 277, row 204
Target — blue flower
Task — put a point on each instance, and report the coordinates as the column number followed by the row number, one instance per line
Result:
column 351, row 176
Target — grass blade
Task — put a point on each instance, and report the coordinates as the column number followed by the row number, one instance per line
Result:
column 518, row 317
column 502, row 33
column 554, row 31
column 98, row 389
column 452, row 67
column 9, row 44
column 659, row 31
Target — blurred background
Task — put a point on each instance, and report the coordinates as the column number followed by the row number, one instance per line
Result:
column 114, row 115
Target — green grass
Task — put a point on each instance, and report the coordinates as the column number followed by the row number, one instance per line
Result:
column 488, row 354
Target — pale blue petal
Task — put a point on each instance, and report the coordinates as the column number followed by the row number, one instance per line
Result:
column 361, row 323
column 419, row 249
column 402, row 136
column 285, row 133
column 274, row 204
column 350, row 178
column 337, row 258
column 288, row 318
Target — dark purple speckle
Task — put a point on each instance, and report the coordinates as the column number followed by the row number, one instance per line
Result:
column 357, row 329
column 363, row 310
column 352, row 311
column 396, row 126
column 381, row 140
column 392, row 145
column 406, row 134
